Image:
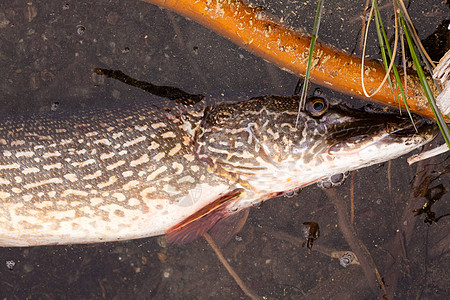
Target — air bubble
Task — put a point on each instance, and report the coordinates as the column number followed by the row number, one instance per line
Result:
column 81, row 29
column 54, row 106
column 10, row 264
column 346, row 259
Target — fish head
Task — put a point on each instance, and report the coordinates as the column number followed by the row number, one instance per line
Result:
column 338, row 138
column 269, row 144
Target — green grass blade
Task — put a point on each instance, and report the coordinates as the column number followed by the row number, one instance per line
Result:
column 429, row 94
column 311, row 51
column 384, row 45
column 382, row 38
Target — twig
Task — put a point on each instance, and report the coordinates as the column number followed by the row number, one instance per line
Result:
column 367, row 263
column 230, row 270
column 398, row 246
column 352, row 199
column 389, row 176
column 363, row 25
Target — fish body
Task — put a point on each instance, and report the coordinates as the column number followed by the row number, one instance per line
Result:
column 126, row 173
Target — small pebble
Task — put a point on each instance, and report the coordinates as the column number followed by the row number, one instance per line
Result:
column 162, row 257
column 31, row 12
column 112, row 18
column 161, row 240
column 27, row 268
column 3, row 20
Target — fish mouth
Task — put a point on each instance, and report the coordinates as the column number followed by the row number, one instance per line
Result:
column 420, row 125
column 382, row 130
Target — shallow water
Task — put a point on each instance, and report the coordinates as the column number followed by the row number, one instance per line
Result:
column 47, row 52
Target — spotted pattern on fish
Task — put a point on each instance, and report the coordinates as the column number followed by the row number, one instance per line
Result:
column 137, row 171
column 71, row 175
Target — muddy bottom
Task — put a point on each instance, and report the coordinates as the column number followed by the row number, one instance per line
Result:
column 48, row 50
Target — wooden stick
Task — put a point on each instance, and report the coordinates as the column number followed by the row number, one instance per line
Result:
column 230, row 270
column 358, row 247
column 265, row 36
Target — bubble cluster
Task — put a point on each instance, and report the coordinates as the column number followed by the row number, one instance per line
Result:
column 10, row 264
column 346, row 259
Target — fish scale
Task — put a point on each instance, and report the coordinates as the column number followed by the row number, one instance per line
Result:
column 142, row 170
column 84, row 178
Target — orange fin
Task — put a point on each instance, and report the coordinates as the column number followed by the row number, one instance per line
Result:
column 227, row 227
column 201, row 221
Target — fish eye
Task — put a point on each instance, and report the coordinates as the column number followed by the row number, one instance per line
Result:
column 317, row 106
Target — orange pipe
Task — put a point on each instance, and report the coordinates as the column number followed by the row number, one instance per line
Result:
column 263, row 35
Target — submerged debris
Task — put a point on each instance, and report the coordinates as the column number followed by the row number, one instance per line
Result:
column 427, row 154
column 433, row 195
column 311, row 232
column 442, row 73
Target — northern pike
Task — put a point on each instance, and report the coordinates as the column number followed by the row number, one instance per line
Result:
column 140, row 171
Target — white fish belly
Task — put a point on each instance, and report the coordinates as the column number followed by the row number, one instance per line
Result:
column 63, row 226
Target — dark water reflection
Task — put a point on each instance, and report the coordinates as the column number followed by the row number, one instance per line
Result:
column 47, row 53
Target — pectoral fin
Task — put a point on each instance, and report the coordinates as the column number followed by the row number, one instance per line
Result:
column 203, row 220
column 227, row 227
